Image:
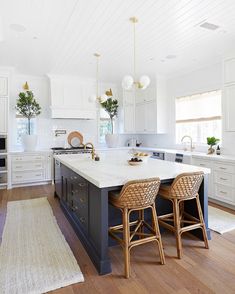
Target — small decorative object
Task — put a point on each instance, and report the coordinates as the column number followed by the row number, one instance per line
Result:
column 211, row 141
column 28, row 107
column 111, row 107
column 97, row 158
column 218, row 150
column 135, row 161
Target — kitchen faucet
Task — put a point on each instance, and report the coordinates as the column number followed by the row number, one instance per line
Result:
column 92, row 151
column 191, row 142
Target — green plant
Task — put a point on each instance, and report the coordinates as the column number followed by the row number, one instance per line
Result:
column 111, row 107
column 212, row 141
column 27, row 106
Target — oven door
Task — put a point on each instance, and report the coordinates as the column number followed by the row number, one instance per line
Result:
column 3, row 162
column 3, row 144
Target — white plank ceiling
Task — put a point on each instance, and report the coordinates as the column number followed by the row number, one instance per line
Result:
column 62, row 35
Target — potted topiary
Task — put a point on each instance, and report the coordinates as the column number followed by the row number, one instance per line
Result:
column 211, row 141
column 28, row 107
column 111, row 107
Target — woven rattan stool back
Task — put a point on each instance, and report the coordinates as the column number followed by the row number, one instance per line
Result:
column 139, row 193
column 186, row 185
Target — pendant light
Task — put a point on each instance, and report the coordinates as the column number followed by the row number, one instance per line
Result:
column 128, row 82
column 96, row 97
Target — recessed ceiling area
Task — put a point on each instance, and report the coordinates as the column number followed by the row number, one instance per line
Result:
column 61, row 36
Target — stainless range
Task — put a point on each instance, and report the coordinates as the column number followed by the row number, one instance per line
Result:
column 77, row 150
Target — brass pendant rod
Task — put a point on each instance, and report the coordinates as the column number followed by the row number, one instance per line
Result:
column 97, row 74
column 134, row 53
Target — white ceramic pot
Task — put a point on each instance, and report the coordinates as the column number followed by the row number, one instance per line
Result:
column 29, row 142
column 112, row 140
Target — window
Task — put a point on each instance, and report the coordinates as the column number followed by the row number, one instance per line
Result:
column 22, row 128
column 105, row 126
column 199, row 116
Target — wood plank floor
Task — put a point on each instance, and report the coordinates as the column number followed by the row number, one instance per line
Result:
column 200, row 270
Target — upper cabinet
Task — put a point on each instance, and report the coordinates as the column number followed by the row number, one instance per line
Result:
column 3, row 86
column 145, row 111
column 229, row 71
column 229, row 95
column 70, row 98
column 3, row 115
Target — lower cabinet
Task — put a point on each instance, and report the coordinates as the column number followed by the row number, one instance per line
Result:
column 74, row 196
column 30, row 168
column 221, row 179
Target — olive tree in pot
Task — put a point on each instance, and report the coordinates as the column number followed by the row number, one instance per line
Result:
column 111, row 107
column 28, row 107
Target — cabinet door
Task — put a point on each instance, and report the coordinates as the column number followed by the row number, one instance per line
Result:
column 129, row 119
column 128, row 97
column 140, row 117
column 140, row 96
column 229, row 71
column 3, row 86
column 151, row 117
column 229, row 102
column 3, row 115
column 207, row 164
column 150, row 94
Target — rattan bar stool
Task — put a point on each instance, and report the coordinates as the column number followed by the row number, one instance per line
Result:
column 184, row 187
column 136, row 196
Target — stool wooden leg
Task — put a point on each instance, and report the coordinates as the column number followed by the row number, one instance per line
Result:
column 158, row 234
column 141, row 218
column 126, row 238
column 177, row 227
column 202, row 222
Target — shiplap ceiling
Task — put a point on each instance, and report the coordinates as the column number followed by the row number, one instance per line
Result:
column 62, row 35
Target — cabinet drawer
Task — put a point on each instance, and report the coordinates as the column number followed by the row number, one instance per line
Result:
column 201, row 162
column 24, row 166
column 28, row 158
column 224, row 167
column 27, row 176
column 224, row 193
column 81, row 213
column 224, row 178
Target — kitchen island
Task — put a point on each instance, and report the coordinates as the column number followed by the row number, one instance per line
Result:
column 83, row 186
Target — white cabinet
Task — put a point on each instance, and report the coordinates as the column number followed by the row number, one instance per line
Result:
column 207, row 164
column 150, row 114
column 147, row 95
column 31, row 168
column 70, row 98
column 145, row 118
column 3, row 114
column 229, row 71
column 229, row 107
column 221, row 179
column 129, row 111
column 3, row 86
column 129, row 118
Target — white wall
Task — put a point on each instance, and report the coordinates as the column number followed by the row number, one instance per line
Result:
column 46, row 125
column 205, row 79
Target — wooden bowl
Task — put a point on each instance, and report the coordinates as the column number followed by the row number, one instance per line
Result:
column 75, row 139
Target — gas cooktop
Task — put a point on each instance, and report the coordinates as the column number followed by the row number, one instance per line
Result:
column 69, row 148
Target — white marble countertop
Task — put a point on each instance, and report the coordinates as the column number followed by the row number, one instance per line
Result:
column 114, row 170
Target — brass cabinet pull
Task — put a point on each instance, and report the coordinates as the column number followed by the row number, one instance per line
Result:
column 222, row 192
column 82, row 184
column 223, row 179
column 82, row 200
column 224, row 168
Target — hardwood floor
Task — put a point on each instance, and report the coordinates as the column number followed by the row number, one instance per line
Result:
column 200, row 270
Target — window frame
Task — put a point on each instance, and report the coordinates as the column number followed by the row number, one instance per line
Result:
column 201, row 119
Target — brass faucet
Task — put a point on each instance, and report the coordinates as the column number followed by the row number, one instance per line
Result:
column 92, row 151
column 191, row 142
